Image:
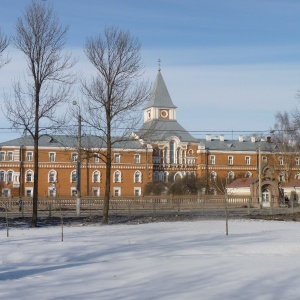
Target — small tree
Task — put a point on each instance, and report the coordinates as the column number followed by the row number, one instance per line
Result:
column 114, row 96
column 41, row 39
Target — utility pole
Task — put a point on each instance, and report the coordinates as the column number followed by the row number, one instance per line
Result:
column 259, row 177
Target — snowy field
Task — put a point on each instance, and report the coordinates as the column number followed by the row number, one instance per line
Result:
column 180, row 260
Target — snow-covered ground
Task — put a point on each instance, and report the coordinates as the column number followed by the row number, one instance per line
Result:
column 180, row 260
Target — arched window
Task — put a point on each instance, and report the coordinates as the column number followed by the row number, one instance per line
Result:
column 73, row 176
column 96, row 176
column 137, row 176
column 213, row 176
column 52, row 176
column 230, row 176
column 117, row 176
column 281, row 177
column 29, row 176
column 248, row 174
column 297, row 176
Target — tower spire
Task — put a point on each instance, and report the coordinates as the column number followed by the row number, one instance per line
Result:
column 159, row 61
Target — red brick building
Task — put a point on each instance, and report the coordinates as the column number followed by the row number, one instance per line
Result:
column 161, row 150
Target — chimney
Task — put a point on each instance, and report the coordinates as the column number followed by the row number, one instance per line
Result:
column 241, row 138
column 253, row 139
column 208, row 137
column 222, row 137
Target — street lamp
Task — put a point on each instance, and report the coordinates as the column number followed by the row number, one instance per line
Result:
column 78, row 170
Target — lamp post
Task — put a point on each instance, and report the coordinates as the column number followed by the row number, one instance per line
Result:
column 78, row 169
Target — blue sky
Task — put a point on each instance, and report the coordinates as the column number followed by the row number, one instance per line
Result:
column 228, row 65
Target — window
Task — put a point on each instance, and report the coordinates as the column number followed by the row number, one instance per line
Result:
column 28, row 192
column 280, row 161
column 117, row 176
column 10, row 156
column 96, row 191
column 137, row 176
column 248, row 174
column 73, row 176
column 156, row 176
column 213, row 176
column 265, row 159
column 247, row 160
column 230, row 176
column 29, row 176
column 212, row 159
column 297, row 161
column 281, row 177
column 74, row 156
column 2, row 156
column 51, row 176
column 166, row 175
column 172, row 152
column 9, row 176
column 137, row 191
column 96, row 176
column 73, row 191
column 117, row 191
column 230, row 160
column 29, row 156
column 51, row 192
column 6, row 192
column 297, row 176
column 137, row 158
column 96, row 158
column 52, row 156
column 117, row 158
column 2, row 176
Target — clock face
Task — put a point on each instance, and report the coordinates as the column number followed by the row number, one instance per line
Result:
column 164, row 113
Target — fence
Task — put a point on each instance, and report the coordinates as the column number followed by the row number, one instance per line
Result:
column 208, row 205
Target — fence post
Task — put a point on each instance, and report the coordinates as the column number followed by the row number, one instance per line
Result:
column 50, row 210
column 7, row 230
column 248, row 204
column 154, row 208
column 129, row 210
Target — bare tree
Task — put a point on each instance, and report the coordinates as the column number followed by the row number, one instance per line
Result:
column 4, row 41
column 115, row 94
column 286, row 138
column 41, row 38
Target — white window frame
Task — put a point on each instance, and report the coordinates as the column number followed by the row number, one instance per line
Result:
column 6, row 192
column 72, row 176
column 96, row 158
column 2, row 176
column 119, row 179
column 297, row 161
column 54, row 176
column 29, row 155
column 137, row 158
column 10, row 156
column 32, row 177
column 212, row 160
column 280, row 160
column 230, row 160
column 52, row 156
column 95, row 191
column 99, row 176
column 8, row 175
column 74, row 156
column 28, row 191
column 117, row 191
column 248, row 160
column 73, row 191
column 51, row 192
column 137, row 176
column 117, row 158
column 137, row 191
column 2, row 155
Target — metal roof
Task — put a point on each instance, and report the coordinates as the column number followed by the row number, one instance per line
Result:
column 67, row 141
column 160, row 96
